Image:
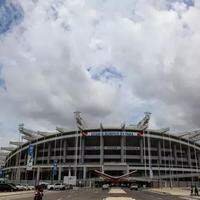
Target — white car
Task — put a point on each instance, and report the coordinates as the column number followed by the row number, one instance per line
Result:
column 134, row 187
column 57, row 186
column 105, row 186
column 29, row 187
column 20, row 187
column 43, row 184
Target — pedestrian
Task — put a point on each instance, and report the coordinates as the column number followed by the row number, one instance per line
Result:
column 192, row 190
column 196, row 191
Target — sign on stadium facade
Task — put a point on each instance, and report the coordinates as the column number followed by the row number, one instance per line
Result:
column 111, row 133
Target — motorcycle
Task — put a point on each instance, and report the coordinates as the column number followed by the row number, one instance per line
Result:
column 38, row 195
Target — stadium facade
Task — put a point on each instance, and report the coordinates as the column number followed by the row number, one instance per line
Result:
column 158, row 156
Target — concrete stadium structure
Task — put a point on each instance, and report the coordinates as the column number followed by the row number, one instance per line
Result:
column 158, row 156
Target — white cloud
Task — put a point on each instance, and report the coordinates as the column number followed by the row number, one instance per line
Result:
column 153, row 44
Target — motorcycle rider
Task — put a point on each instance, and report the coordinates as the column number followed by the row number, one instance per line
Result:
column 38, row 193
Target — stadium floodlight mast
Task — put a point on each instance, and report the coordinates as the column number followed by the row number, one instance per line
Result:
column 81, row 125
column 101, row 127
column 143, row 125
column 123, row 126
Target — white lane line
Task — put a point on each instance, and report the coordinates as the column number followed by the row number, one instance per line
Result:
column 116, row 191
column 118, row 198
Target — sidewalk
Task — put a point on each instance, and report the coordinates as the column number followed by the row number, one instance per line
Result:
column 3, row 194
column 185, row 192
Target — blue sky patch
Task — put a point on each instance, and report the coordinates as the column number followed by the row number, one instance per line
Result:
column 2, row 2
column 2, row 81
column 188, row 3
column 10, row 14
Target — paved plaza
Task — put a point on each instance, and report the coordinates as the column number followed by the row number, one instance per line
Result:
column 97, row 194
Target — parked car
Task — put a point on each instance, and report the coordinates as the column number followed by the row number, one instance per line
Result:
column 29, row 187
column 44, row 185
column 57, row 186
column 105, row 186
column 6, row 187
column 21, row 187
column 134, row 187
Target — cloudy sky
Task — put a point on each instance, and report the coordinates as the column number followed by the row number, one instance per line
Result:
column 111, row 60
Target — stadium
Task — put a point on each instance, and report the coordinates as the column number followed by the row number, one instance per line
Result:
column 158, row 157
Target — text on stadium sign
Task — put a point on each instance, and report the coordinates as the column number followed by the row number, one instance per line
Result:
column 110, row 133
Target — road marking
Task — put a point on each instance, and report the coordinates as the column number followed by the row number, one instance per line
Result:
column 118, row 198
column 116, row 191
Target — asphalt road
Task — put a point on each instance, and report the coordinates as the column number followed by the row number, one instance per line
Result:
column 93, row 194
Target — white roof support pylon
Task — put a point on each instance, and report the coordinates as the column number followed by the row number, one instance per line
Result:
column 24, row 137
column 189, row 134
column 4, row 153
column 45, row 134
column 2, row 158
column 196, row 140
column 18, row 144
column 193, row 137
column 162, row 130
column 61, row 130
column 183, row 135
column 27, row 132
column 30, row 133
column 8, row 148
column 2, row 162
